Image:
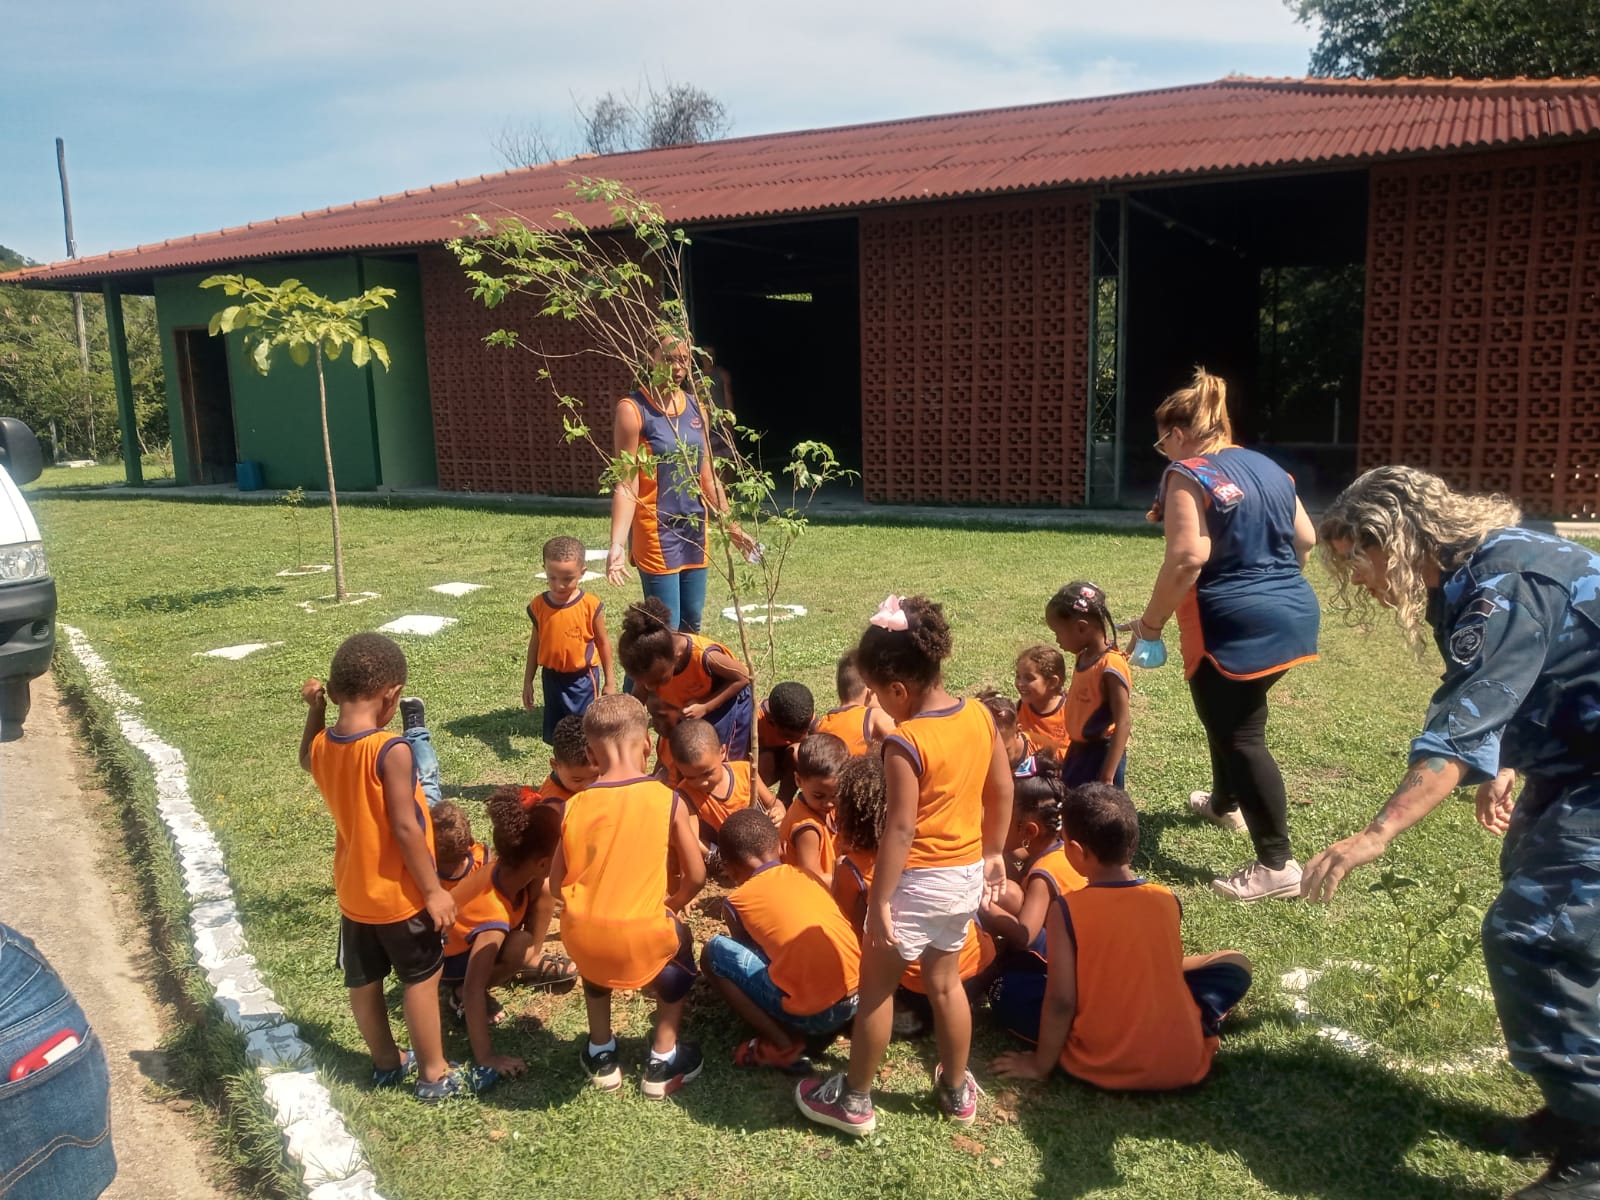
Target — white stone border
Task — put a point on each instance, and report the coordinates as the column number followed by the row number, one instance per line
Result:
column 332, row 1164
column 1297, row 984
column 756, row 614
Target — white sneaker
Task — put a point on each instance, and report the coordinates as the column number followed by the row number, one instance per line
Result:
column 1200, row 806
column 1256, row 882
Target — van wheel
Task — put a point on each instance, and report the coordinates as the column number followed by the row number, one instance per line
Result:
column 14, row 703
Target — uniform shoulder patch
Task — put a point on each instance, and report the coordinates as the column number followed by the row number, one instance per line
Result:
column 1466, row 643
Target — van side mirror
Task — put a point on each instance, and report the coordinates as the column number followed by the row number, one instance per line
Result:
column 19, row 451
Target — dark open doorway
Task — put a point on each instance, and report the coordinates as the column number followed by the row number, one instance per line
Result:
column 781, row 306
column 1260, row 281
column 202, row 363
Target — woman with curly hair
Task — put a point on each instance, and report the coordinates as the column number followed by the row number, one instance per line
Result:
column 1516, row 616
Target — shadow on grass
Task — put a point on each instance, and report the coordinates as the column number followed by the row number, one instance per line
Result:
column 181, row 602
column 496, row 729
column 467, row 791
column 1153, row 861
column 1307, row 1121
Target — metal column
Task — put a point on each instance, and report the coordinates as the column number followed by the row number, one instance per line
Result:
column 126, row 416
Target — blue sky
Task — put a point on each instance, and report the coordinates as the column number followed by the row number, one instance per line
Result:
column 182, row 116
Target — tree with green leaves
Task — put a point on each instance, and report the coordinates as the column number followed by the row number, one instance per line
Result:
column 314, row 328
column 1472, row 39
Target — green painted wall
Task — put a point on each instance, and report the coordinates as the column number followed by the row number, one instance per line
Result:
column 275, row 415
column 401, row 405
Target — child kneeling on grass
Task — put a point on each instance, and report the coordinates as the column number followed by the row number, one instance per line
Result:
column 715, row 787
column 393, row 909
column 619, row 924
column 790, row 964
column 1124, row 1009
column 488, row 944
column 807, row 830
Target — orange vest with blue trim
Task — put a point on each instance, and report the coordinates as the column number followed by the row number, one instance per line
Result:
column 566, row 631
column 490, row 909
column 369, row 872
column 735, row 789
column 951, row 750
column 802, row 816
column 813, row 953
column 851, row 724
column 669, row 520
column 1047, row 730
column 1088, row 714
column 614, row 841
column 476, row 857
column 695, row 682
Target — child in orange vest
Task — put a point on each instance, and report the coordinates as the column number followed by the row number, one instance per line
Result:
column 619, row 924
column 1099, row 720
column 790, row 963
column 393, row 909
column 1124, row 1008
column 694, row 674
column 489, row 944
column 858, row 721
column 715, row 787
column 948, row 806
column 1041, row 697
column 568, row 642
column 785, row 717
column 807, row 829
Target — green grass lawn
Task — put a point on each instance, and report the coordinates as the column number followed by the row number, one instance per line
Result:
column 1285, row 1114
column 156, row 470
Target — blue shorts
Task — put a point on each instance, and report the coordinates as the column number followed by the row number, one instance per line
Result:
column 748, row 971
column 1084, row 761
column 566, row 693
column 733, row 722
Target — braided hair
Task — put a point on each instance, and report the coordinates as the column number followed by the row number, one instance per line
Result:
column 647, row 636
column 1040, row 799
column 1083, row 599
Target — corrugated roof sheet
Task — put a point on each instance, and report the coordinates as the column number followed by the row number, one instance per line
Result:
column 1234, row 125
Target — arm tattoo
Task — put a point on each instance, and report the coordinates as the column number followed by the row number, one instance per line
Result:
column 1420, row 774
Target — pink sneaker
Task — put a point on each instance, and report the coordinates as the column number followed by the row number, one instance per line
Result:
column 823, row 1101
column 959, row 1104
column 1200, row 806
column 1253, row 881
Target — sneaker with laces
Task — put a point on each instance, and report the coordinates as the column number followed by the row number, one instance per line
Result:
column 829, row 1102
column 959, row 1104
column 604, row 1071
column 759, row 1053
column 411, row 713
column 1253, row 881
column 1200, row 806
column 1570, row 1177
column 663, row 1077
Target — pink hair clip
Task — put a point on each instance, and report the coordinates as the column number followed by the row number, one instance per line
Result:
column 890, row 615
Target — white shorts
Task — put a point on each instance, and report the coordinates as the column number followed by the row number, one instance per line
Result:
column 932, row 906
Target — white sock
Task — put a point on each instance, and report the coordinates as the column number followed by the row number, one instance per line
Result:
column 594, row 1050
column 657, row 1056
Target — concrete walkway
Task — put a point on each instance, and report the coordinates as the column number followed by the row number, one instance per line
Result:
column 63, row 884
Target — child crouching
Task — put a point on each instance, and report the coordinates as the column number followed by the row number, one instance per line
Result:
column 790, row 964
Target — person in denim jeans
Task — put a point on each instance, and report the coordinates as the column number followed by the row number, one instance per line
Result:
column 55, row 1121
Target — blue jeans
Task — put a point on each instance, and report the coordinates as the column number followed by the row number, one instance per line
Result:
column 427, row 762
column 747, row 970
column 684, row 594
column 55, row 1122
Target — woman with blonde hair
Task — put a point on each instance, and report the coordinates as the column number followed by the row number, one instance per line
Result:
column 1237, row 540
column 1516, row 615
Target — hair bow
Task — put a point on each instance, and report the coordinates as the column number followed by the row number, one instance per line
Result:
column 529, row 797
column 891, row 616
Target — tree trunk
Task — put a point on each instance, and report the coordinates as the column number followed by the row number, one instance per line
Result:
column 333, row 492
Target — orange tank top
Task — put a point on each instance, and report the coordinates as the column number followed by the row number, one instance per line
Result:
column 812, row 951
column 369, row 873
column 665, row 762
column 950, row 750
column 1046, row 730
column 566, row 631
column 1052, row 867
column 694, row 682
column 802, row 816
column 489, row 909
column 1137, row 1025
column 614, row 840
column 1088, row 714
column 851, row 724
column 770, row 736
column 734, row 794
column 476, row 857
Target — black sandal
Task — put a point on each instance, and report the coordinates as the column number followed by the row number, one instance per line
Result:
column 551, row 971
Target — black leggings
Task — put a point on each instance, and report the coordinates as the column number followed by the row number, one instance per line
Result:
column 1244, row 775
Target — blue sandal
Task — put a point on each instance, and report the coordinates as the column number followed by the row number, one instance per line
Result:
column 388, row 1077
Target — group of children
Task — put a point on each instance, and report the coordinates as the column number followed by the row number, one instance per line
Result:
column 890, row 860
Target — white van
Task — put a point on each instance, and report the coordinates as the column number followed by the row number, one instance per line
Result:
column 27, row 593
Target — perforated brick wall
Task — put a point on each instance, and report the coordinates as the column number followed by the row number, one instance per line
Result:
column 496, row 424
column 974, row 335
column 1482, row 340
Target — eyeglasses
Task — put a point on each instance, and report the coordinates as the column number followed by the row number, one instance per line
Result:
column 1156, row 445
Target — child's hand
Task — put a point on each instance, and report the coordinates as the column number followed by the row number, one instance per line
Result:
column 527, row 696
column 776, row 813
column 441, row 907
column 880, row 928
column 693, row 712
column 1019, row 1064
column 505, row 1064
column 610, row 689
column 994, row 877
column 314, row 694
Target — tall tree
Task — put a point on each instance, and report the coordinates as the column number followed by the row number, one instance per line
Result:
column 648, row 118
column 314, row 328
column 1473, row 39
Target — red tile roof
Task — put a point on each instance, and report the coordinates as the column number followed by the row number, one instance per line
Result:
column 1232, row 126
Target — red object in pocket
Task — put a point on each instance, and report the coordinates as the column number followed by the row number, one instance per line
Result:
column 42, row 1055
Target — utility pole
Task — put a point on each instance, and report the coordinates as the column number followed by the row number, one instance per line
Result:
column 77, row 297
